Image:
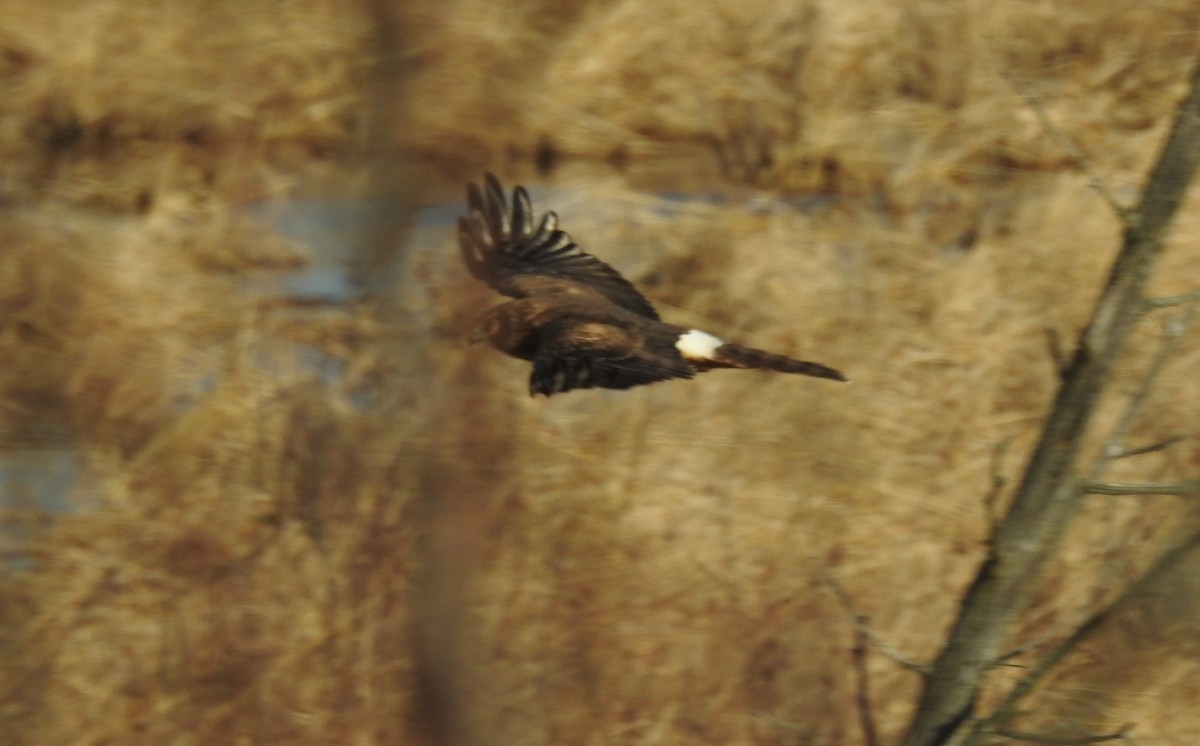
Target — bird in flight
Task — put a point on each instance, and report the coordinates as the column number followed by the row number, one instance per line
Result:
column 574, row 317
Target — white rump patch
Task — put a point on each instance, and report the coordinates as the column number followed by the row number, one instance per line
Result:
column 698, row 345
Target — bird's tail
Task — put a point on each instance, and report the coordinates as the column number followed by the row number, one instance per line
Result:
column 731, row 355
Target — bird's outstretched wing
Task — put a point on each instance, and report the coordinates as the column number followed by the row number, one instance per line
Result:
column 583, row 355
column 502, row 246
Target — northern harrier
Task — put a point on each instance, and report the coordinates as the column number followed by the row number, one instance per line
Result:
column 579, row 322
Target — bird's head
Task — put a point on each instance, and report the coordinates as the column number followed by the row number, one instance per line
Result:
column 495, row 327
column 504, row 329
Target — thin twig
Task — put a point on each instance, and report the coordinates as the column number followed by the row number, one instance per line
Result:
column 895, row 656
column 1077, row 156
column 1114, row 446
column 1190, row 488
column 1004, row 659
column 1042, row 641
column 863, row 622
column 998, row 480
column 1120, row 453
column 1064, row 741
column 863, row 694
column 1055, row 348
column 1173, row 331
column 1167, row 301
column 804, row 729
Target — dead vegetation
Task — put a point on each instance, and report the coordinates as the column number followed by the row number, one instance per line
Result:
column 257, row 558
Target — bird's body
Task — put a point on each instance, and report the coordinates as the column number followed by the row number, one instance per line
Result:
column 575, row 318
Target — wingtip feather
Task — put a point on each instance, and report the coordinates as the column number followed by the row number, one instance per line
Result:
column 492, row 182
column 495, row 209
column 522, row 212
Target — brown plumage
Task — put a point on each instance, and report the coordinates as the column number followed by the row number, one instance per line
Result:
column 579, row 322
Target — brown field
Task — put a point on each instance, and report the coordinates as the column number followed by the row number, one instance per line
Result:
column 409, row 549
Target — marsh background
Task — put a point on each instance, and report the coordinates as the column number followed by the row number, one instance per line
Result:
column 255, row 482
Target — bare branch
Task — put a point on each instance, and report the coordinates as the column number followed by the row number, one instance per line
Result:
column 1077, row 156
column 1190, row 488
column 1047, row 498
column 1007, row 711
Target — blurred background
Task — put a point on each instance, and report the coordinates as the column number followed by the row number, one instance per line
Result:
column 256, row 488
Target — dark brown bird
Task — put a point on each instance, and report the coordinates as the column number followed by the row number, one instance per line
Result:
column 579, row 322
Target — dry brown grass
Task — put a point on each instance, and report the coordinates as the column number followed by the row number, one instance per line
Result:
column 255, row 544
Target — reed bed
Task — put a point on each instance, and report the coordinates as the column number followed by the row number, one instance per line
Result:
column 260, row 550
